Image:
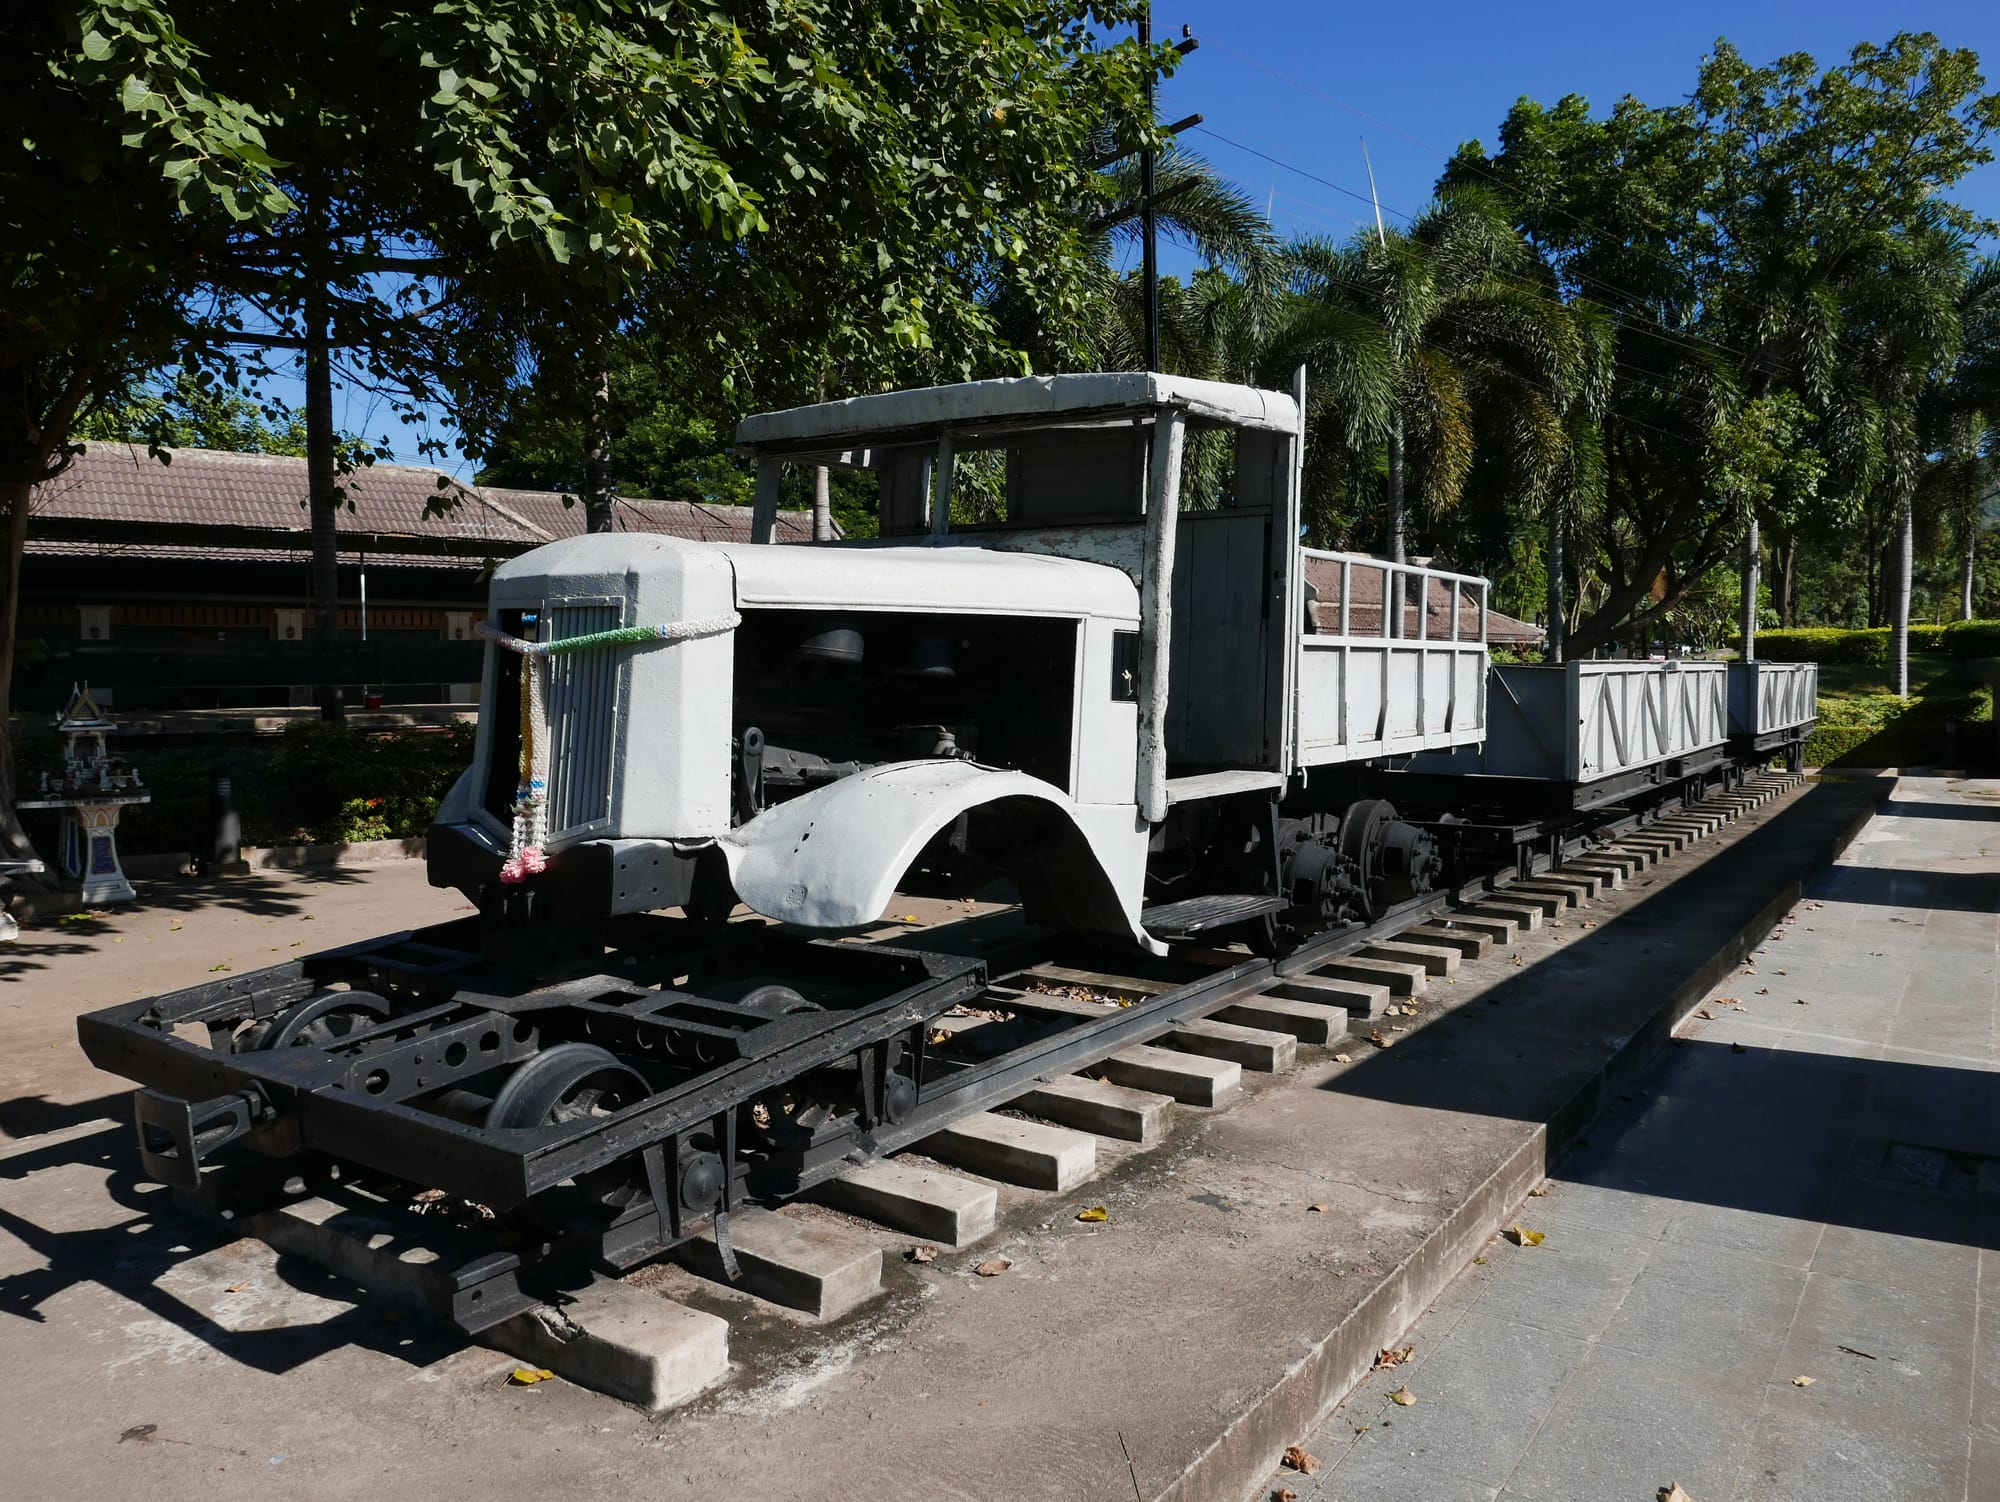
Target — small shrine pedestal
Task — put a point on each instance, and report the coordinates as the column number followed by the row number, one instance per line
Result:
column 92, row 790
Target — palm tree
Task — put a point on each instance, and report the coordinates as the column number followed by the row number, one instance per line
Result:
column 1459, row 352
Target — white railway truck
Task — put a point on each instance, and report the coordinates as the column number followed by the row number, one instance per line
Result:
column 1087, row 651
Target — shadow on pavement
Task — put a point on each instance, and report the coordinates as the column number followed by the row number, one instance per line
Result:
column 136, row 1256
column 1894, row 886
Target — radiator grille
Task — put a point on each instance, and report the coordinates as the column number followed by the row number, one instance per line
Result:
column 583, row 717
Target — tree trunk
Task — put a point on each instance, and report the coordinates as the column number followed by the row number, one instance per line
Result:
column 1966, row 571
column 1899, row 625
column 1393, row 595
column 1750, row 582
column 597, row 497
column 323, row 511
column 1788, row 576
column 1558, row 606
column 1395, row 509
column 14, row 496
column 822, row 504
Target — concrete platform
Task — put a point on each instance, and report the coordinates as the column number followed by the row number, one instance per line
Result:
column 1741, row 1221
column 244, row 1371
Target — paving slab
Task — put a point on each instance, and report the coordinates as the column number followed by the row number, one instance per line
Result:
column 1402, row 977
column 1360, row 998
column 818, row 1269
column 1028, row 1153
column 1099, row 1107
column 1471, row 943
column 1258, row 1048
column 909, row 1197
column 1307, row 1021
column 1192, row 1079
column 1525, row 916
column 1437, row 959
column 622, row 1341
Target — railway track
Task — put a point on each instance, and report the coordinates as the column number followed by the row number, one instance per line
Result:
column 1062, row 1049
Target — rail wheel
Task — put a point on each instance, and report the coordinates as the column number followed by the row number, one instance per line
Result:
column 573, row 1082
column 317, row 1022
column 566, row 1083
column 1391, row 860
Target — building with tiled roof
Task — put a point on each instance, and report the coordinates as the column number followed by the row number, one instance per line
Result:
column 186, row 583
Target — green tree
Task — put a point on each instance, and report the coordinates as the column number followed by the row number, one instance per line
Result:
column 1445, row 362
column 1753, row 247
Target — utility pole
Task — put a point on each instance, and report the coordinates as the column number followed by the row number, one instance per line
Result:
column 1148, row 217
column 1149, row 196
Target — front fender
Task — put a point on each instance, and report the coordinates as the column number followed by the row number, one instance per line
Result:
column 832, row 858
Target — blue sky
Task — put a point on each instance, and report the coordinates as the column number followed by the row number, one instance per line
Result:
column 1305, row 82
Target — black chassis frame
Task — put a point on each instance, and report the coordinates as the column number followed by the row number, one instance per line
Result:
column 372, row 1099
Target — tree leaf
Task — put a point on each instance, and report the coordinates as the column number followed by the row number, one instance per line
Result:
column 1095, row 1215
column 1298, row 1458
column 1520, row 1235
column 1402, row 1397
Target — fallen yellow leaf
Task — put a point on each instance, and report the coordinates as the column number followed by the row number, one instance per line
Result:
column 1674, row 1494
column 1520, row 1235
column 236, row 1288
column 1095, row 1215
column 1539, row 1190
column 993, row 1267
column 527, row 1376
column 1402, row 1397
column 1316, row 1209
column 1804, row 1381
column 1343, row 1058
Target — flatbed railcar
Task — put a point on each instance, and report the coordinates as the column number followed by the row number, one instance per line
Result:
column 1088, row 654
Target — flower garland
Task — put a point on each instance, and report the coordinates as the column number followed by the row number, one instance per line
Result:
column 525, row 855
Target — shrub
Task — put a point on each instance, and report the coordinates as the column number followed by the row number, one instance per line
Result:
column 1829, row 744
column 1823, row 644
column 1972, row 639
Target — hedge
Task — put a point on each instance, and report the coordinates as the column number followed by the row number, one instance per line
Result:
column 1834, row 644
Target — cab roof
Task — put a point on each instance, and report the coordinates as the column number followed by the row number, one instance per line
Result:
column 892, row 418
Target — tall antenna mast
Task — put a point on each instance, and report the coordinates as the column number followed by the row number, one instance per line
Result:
column 1381, row 235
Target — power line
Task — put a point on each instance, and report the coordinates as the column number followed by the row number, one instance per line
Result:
column 1627, row 311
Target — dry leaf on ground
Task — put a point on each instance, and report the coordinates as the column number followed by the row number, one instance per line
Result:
column 1739, row 1048
column 1674, row 1494
column 1377, row 1039
column 236, row 1288
column 1392, row 1356
column 1343, row 1058
column 924, row 1254
column 1284, row 1494
column 936, row 1036
column 1804, row 1381
column 993, row 1267
column 1520, row 1235
column 1402, row 1397
column 1095, row 1215
column 1300, row 1459
column 528, row 1376
column 1316, row 1209
column 1539, row 1190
